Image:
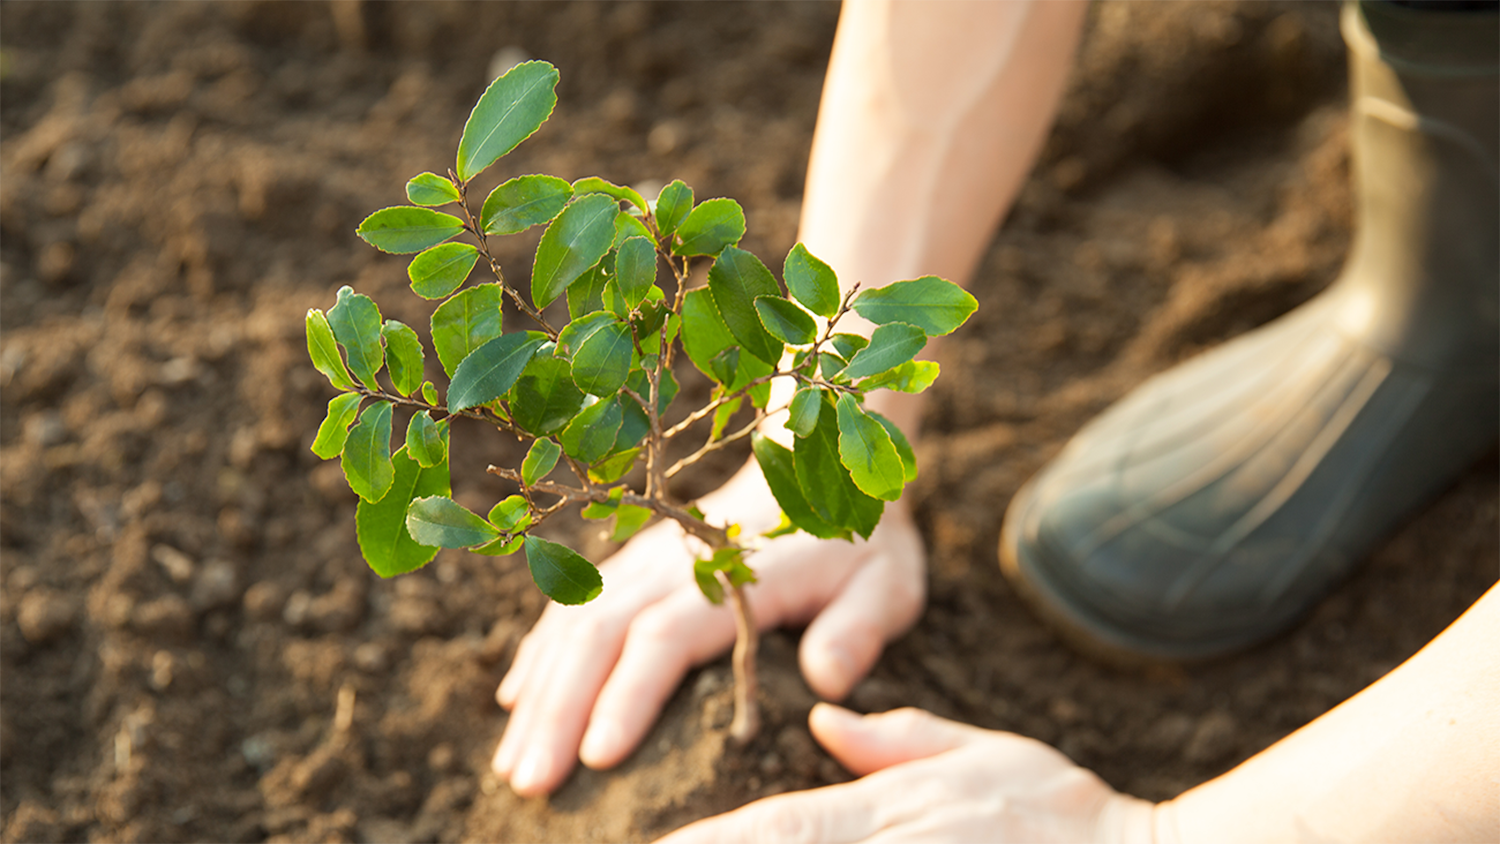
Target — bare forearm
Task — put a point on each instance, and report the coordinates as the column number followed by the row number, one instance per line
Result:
column 1414, row 757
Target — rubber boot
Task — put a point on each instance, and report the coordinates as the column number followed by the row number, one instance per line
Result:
column 1218, row 502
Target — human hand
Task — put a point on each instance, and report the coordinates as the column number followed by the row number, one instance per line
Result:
column 588, row 681
column 930, row 779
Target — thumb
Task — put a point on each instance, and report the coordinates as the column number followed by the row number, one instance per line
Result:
column 869, row 743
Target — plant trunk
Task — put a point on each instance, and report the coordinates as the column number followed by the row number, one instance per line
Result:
column 746, row 721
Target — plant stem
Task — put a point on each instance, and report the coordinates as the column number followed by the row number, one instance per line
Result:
column 746, row 721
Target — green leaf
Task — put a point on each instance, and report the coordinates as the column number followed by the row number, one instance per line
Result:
column 890, row 346
column 705, row 337
column 356, row 326
column 525, row 201
column 728, row 560
column 500, row 547
column 441, row 521
column 776, row 464
column 725, row 365
column 826, row 483
column 511, row 514
column 830, row 365
column 635, row 269
column 544, row 398
column 576, row 332
column 811, row 282
column 464, row 323
column 672, row 205
column 930, row 303
column 736, row 279
column 367, row 453
column 403, row 356
column 602, row 360
column 914, row 376
column 903, row 446
column 708, row 228
column 404, row 229
column 572, row 243
column 629, row 519
column 561, row 573
column 615, row 466
column 604, row 509
column 586, row 295
column 439, row 271
column 803, row 414
column 492, row 369
column 324, row 351
column 429, row 393
column 426, row 440
column 510, row 110
column 865, row 448
column 785, row 321
column 594, row 184
column 329, row 442
column 628, row 225
column 722, row 414
column 540, row 459
column 591, row 434
column 847, row 344
column 430, row 189
column 381, row 526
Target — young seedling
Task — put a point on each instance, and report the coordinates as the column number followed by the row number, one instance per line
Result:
column 591, row 391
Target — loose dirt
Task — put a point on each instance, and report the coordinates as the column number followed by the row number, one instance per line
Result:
column 192, row 648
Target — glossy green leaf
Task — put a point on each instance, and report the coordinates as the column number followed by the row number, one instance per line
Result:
column 777, row 465
column 594, row 184
column 464, row 323
column 628, row 225
column 367, row 453
column 731, row 561
column 914, row 376
column 903, row 446
column 329, row 443
column 544, row 398
column 602, row 360
column 324, row 351
column 803, row 413
column 705, row 337
column 672, row 205
column 847, row 344
column 510, row 110
column 586, row 295
column 890, row 346
column 865, row 448
column 615, row 466
column 722, row 414
column 561, row 573
column 711, row 226
column 426, row 440
column 404, row 229
column 525, row 201
column 429, row 393
column 403, row 356
column 930, row 303
column 500, row 547
column 635, row 269
column 785, row 321
column 540, row 459
column 811, row 282
column 572, row 243
column 629, row 519
column 736, row 279
column 830, row 365
column 431, row 190
column 604, row 509
column 356, row 326
column 574, row 333
column 439, row 271
column 725, row 365
column 441, row 521
column 591, row 434
column 492, row 369
column 381, row 526
column 511, row 514
column 825, row 481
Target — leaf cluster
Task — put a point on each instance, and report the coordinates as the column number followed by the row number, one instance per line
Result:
column 591, row 395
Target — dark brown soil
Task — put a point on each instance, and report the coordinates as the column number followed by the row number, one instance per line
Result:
column 184, row 607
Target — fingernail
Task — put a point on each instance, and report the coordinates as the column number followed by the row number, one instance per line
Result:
column 528, row 775
column 600, row 744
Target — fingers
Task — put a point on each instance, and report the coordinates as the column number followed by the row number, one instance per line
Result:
column 881, row 600
column 869, row 743
column 663, row 642
column 834, row 814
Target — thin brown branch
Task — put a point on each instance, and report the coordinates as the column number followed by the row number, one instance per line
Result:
column 484, row 249
column 746, row 721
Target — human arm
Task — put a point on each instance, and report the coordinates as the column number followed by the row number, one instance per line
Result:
column 1414, row 757
column 588, row 681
